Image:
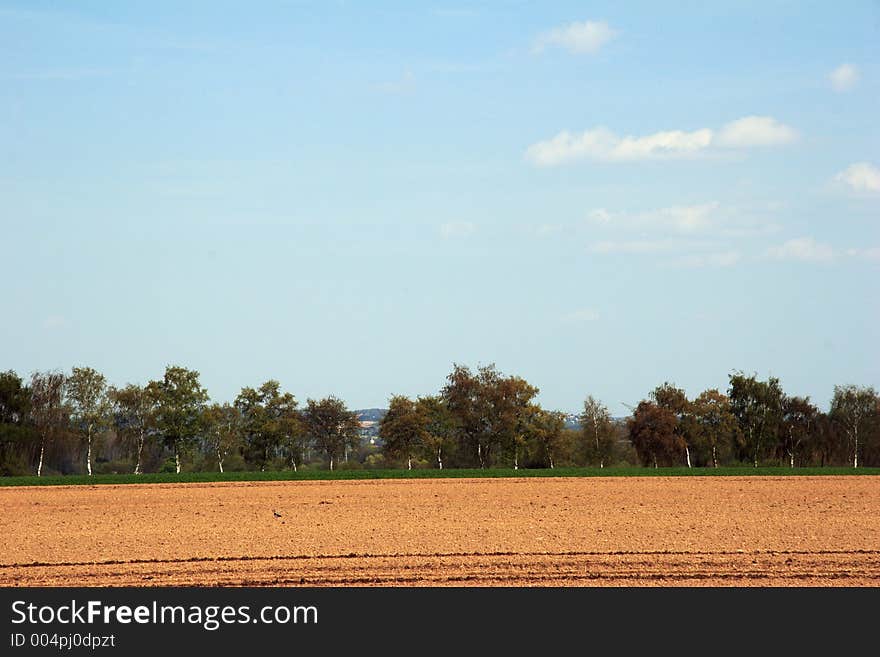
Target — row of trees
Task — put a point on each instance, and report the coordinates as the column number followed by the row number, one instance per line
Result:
column 481, row 416
column 756, row 422
column 479, row 419
column 54, row 416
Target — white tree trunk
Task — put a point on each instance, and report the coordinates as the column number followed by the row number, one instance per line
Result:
column 480, row 454
column 89, row 454
column 516, row 459
column 176, row 461
column 714, row 456
column 856, row 452
column 409, row 462
column 791, row 459
column 439, row 458
column 331, row 462
column 294, row 466
column 137, row 464
column 40, row 462
column 550, row 458
column 220, row 460
column 687, row 453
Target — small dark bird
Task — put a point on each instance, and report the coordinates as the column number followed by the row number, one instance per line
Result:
column 276, row 514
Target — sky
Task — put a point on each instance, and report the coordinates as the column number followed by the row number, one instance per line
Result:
column 351, row 197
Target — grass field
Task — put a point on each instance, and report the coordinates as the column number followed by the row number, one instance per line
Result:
column 341, row 475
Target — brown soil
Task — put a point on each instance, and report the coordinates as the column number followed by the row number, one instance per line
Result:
column 765, row 531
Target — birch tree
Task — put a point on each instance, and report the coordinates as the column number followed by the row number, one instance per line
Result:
column 797, row 427
column 180, row 402
column 757, row 406
column 47, row 410
column 86, row 393
column 270, row 424
column 15, row 434
column 222, row 431
column 331, row 426
column 403, row 429
column 440, row 428
column 134, row 413
column 597, row 432
column 715, row 429
column 546, row 430
column 854, row 409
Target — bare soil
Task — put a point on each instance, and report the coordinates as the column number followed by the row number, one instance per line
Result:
column 719, row 531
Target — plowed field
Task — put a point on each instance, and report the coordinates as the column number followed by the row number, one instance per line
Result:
column 765, row 531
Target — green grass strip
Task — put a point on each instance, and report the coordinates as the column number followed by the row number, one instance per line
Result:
column 342, row 475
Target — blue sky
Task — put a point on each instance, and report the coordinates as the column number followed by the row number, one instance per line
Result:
column 351, row 197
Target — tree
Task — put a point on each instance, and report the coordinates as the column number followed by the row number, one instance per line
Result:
column 490, row 410
column 134, row 412
column 15, row 434
column 757, row 406
column 440, row 428
column 546, row 429
column 331, row 426
column 854, row 409
column 797, row 427
column 222, row 423
column 714, row 427
column 597, row 432
column 403, row 429
column 652, row 431
column 47, row 410
column 180, row 402
column 270, row 424
column 86, row 393
column 674, row 400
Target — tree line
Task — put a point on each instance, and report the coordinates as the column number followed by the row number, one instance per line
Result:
column 76, row 423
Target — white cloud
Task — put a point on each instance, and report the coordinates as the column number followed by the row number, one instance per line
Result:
column 579, row 38
column 634, row 246
column 457, row 229
column 844, row 77
column 755, row 131
column 802, row 248
column 583, row 315
column 678, row 218
column 871, row 253
column 54, row 322
column 861, row 177
column 602, row 144
column 403, row 84
column 699, row 260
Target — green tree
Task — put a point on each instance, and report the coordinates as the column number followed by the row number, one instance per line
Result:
column 440, row 428
column 15, row 434
column 674, row 400
column 134, row 413
column 403, row 429
column 180, row 400
column 597, row 432
column 223, row 431
column 331, row 426
column 715, row 430
column 490, row 410
column 86, row 393
column 270, row 424
column 797, row 427
column 546, row 429
column 757, row 406
column 652, row 432
column 854, row 410
column 48, row 413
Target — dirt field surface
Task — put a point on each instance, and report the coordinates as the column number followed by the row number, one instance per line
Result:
column 728, row 531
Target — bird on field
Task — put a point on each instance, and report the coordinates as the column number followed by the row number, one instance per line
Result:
column 275, row 513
